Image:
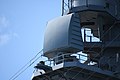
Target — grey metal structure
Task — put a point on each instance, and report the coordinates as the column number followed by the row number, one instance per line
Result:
column 67, row 38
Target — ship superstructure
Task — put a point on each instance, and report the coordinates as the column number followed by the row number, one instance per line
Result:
column 83, row 43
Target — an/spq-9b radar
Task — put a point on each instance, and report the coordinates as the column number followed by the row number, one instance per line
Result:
column 62, row 36
column 71, row 47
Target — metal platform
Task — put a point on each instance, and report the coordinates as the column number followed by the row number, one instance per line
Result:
column 75, row 70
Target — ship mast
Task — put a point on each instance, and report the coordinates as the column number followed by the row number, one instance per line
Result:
column 83, row 43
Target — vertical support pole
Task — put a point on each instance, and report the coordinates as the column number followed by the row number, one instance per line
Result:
column 50, row 63
column 71, row 1
column 86, row 3
column 53, row 62
column 63, row 58
column 117, row 57
column 90, row 38
column 100, row 23
column 84, row 35
column 68, row 4
column 62, row 7
column 98, row 30
column 79, row 57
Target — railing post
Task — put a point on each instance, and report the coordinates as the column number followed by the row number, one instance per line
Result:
column 62, row 7
column 84, row 35
column 79, row 58
column 90, row 38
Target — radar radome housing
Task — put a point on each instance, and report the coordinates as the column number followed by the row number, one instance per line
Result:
column 63, row 34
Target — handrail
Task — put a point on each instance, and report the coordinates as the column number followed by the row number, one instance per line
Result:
column 79, row 57
column 86, row 36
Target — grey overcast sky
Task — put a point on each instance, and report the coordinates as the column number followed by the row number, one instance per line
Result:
column 22, row 26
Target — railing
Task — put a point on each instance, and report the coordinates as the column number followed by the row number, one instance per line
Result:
column 66, row 5
column 89, row 37
column 67, row 58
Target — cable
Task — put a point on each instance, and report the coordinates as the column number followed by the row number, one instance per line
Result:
column 94, row 45
column 102, row 35
column 96, row 56
column 21, row 70
column 100, row 52
column 15, row 75
column 26, row 68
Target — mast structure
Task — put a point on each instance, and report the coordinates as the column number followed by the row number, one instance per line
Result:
column 83, row 43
